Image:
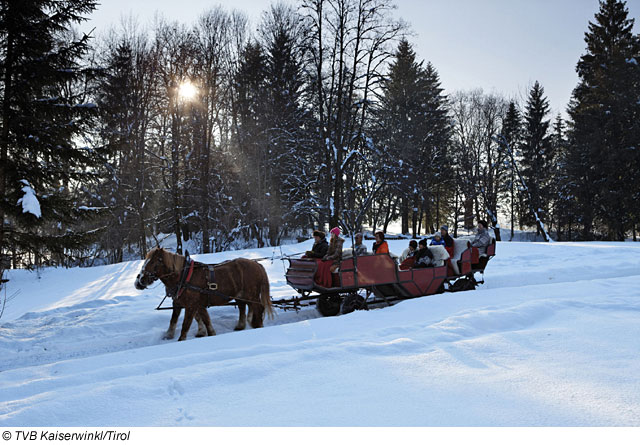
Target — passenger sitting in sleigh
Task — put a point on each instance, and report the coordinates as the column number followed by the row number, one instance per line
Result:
column 334, row 253
column 423, row 256
column 437, row 240
column 320, row 246
column 359, row 248
column 448, row 241
column 482, row 239
column 409, row 251
column 407, row 260
column 331, row 261
column 380, row 246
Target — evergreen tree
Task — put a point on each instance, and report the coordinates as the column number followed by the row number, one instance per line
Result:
column 289, row 159
column 436, row 148
column 561, row 207
column 117, row 117
column 537, row 158
column 413, row 124
column 512, row 134
column 125, row 99
column 43, row 157
column 251, row 137
column 400, row 129
column 605, row 133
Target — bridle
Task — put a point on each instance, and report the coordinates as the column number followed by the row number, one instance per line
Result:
column 152, row 275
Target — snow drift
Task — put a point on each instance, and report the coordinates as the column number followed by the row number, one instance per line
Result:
column 551, row 339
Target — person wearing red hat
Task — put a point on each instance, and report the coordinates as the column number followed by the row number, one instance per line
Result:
column 334, row 252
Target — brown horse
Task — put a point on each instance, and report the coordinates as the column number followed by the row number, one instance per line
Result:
column 242, row 280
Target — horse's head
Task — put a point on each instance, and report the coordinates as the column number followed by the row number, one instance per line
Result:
column 152, row 269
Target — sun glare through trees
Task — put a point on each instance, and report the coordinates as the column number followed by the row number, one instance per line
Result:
column 187, row 91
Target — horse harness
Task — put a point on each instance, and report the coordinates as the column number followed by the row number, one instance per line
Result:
column 185, row 278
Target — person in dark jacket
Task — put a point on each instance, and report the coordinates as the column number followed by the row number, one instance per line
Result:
column 444, row 233
column 320, row 246
column 423, row 256
column 331, row 260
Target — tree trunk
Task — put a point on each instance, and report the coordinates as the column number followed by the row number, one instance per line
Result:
column 494, row 222
column 174, row 185
column 142, row 235
column 6, row 116
column 204, row 195
column 587, row 227
column 414, row 220
column 468, row 214
column 387, row 218
column 437, row 208
column 405, row 216
column 456, row 212
column 513, row 204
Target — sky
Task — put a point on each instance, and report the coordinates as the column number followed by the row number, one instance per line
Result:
column 501, row 46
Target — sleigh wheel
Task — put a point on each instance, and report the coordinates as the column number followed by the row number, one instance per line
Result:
column 329, row 305
column 463, row 284
column 353, row 302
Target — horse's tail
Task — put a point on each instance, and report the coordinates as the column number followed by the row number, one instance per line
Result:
column 265, row 294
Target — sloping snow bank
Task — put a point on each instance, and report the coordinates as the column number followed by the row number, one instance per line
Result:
column 549, row 340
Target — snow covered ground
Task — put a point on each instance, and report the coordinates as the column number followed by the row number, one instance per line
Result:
column 551, row 339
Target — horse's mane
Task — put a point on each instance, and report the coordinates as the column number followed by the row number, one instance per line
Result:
column 173, row 261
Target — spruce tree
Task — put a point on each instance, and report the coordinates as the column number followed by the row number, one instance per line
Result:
column 116, row 116
column 43, row 157
column 569, row 216
column 412, row 121
column 125, row 99
column 399, row 124
column 512, row 134
column 290, row 159
column 561, row 206
column 436, row 153
column 537, row 158
column 251, row 136
column 602, row 162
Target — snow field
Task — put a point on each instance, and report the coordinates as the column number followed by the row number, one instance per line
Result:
column 549, row 340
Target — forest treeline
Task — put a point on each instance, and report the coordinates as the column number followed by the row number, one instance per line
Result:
column 322, row 115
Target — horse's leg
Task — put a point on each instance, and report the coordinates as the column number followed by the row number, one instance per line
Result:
column 189, row 313
column 171, row 332
column 206, row 322
column 242, row 319
column 202, row 327
column 257, row 312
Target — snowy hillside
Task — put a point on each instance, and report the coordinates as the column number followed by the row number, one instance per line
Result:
column 550, row 339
